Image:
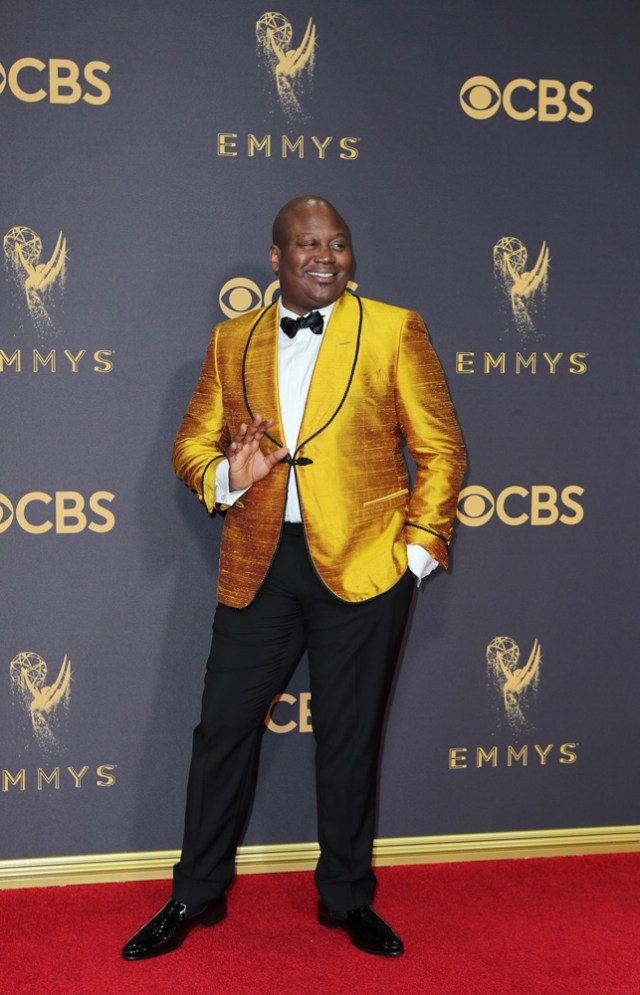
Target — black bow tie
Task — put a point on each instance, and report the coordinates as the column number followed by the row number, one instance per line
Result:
column 314, row 321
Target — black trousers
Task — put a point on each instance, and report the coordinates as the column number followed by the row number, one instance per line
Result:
column 353, row 650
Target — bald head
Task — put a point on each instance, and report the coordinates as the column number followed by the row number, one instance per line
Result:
column 298, row 208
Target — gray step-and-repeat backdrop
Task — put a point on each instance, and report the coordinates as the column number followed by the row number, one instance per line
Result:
column 485, row 156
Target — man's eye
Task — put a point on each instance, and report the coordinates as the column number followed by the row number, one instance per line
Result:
column 338, row 245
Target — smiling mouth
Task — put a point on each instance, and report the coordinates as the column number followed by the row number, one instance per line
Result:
column 321, row 276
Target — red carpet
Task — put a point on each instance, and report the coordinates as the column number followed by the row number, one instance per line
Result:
column 562, row 926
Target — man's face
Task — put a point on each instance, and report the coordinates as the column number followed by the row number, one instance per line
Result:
column 314, row 261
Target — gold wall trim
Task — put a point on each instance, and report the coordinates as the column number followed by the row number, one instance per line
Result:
column 94, row 868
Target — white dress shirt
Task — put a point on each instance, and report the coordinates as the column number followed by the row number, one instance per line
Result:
column 296, row 362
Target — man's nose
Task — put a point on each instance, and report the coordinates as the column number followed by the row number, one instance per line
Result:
column 324, row 253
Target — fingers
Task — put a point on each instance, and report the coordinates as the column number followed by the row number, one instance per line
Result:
column 252, row 432
column 247, row 439
column 278, row 455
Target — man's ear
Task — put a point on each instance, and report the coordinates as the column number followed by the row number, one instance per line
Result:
column 274, row 258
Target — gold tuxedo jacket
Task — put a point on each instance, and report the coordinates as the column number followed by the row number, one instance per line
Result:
column 377, row 379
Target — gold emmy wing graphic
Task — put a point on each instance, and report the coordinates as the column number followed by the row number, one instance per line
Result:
column 513, row 682
column 524, row 290
column 289, row 67
column 36, row 279
column 40, row 701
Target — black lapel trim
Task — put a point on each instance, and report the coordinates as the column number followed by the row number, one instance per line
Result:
column 425, row 529
column 347, row 388
column 278, row 445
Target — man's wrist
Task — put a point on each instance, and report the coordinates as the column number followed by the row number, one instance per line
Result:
column 225, row 492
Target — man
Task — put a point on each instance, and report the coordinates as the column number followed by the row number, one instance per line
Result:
column 295, row 429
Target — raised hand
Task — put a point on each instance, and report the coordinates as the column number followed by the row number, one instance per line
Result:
column 247, row 462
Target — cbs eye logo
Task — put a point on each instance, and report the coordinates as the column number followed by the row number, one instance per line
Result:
column 523, row 99
column 240, row 295
column 539, row 505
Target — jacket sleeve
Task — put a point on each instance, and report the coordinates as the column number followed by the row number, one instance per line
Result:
column 429, row 424
column 203, row 436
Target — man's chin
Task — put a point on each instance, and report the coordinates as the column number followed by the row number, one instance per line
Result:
column 318, row 294
column 327, row 293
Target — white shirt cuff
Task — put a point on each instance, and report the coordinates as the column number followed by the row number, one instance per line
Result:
column 221, row 490
column 421, row 563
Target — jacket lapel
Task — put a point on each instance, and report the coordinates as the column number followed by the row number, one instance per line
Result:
column 334, row 368
column 260, row 372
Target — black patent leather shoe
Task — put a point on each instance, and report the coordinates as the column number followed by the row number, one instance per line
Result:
column 367, row 931
column 167, row 929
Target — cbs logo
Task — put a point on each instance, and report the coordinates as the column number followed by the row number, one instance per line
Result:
column 67, row 514
column 541, row 505
column 301, row 709
column 25, row 80
column 522, row 99
column 241, row 295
